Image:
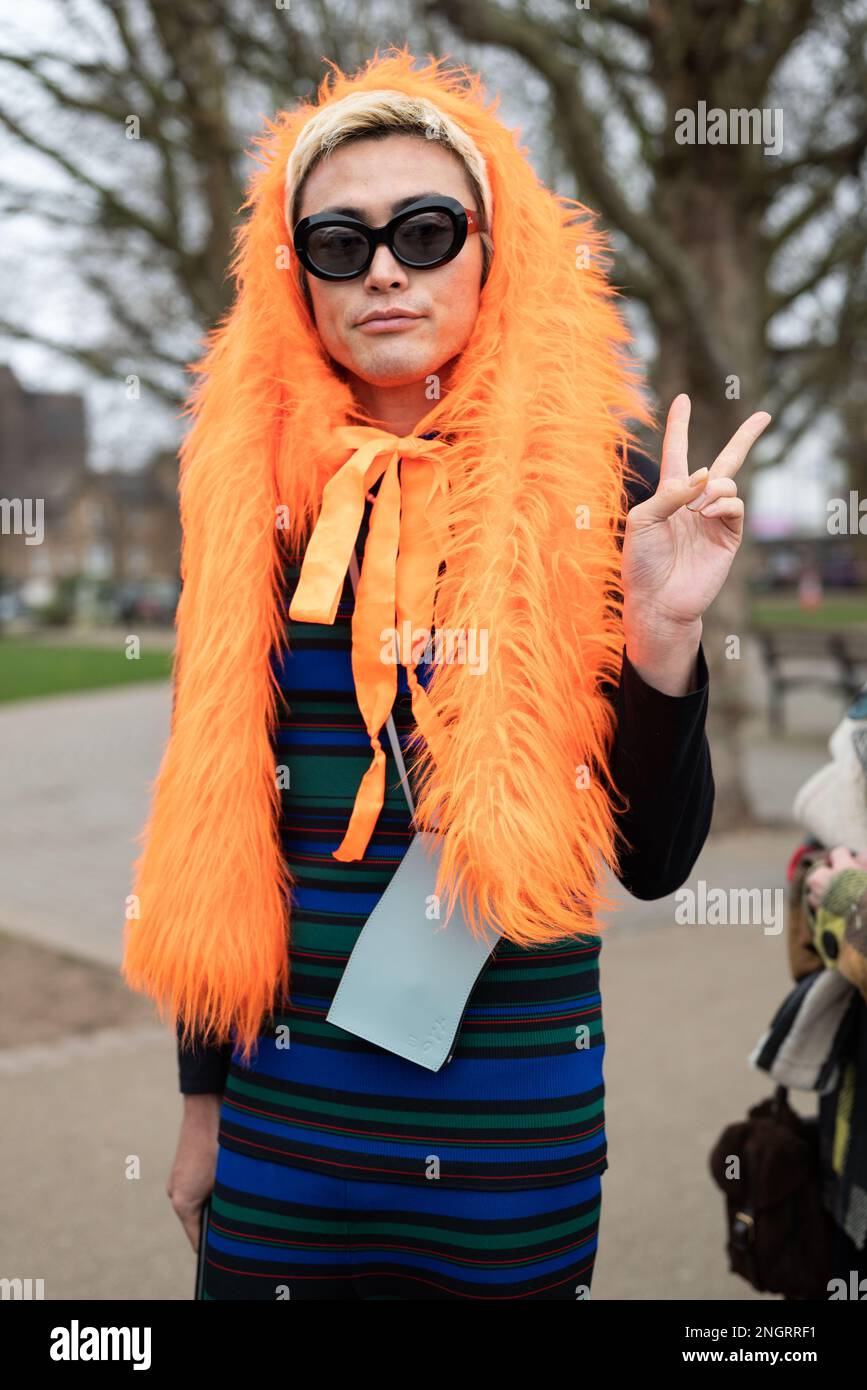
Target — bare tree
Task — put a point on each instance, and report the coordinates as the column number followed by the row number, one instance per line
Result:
column 748, row 265
column 144, row 110
column 748, row 260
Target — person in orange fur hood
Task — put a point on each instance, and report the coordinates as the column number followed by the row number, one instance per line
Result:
column 424, row 374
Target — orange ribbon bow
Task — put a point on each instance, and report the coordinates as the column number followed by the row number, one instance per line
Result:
column 398, row 579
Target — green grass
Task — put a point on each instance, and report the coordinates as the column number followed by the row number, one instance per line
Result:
column 837, row 610
column 30, row 668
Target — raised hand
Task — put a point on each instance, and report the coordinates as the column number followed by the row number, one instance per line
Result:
column 679, row 544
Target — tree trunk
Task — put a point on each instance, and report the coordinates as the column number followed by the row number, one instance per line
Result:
column 717, row 235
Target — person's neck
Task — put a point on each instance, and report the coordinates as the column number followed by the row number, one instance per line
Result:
column 397, row 409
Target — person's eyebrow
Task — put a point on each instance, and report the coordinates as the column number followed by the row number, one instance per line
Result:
column 361, row 214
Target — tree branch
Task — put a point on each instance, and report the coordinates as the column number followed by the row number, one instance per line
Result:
column 88, row 357
column 816, row 203
column 124, row 214
column 844, row 158
column 778, row 26
column 487, row 23
column 849, row 247
column 637, row 21
column 627, row 276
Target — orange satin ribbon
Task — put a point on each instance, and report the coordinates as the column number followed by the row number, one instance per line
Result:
column 398, row 579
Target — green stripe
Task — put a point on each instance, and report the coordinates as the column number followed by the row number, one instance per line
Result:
column 510, row 1240
column 537, row 1120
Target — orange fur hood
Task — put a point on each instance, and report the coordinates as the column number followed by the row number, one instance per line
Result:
column 537, row 422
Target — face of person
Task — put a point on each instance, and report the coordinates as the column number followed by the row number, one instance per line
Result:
column 372, row 176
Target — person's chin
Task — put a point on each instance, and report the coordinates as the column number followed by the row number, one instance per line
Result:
column 394, row 366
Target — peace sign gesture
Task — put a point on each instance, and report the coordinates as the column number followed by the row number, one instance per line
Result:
column 679, row 545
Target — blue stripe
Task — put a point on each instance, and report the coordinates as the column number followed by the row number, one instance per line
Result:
column 271, row 1181
column 464, row 1079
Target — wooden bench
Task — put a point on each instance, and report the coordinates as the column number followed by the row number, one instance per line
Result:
column 843, row 651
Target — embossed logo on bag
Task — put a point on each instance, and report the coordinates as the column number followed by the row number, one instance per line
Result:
column 436, row 1035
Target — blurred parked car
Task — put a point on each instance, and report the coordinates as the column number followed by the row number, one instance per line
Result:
column 147, row 601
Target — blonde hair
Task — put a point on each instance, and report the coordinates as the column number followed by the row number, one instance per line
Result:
column 380, row 113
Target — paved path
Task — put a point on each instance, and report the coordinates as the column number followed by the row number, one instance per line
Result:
column 73, row 800
column 683, row 1007
column 75, row 796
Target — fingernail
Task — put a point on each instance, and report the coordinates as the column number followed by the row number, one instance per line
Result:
column 697, row 502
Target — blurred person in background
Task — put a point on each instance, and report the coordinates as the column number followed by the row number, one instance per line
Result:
column 828, row 932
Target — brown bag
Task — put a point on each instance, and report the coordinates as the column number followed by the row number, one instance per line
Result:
column 803, row 956
column 779, row 1232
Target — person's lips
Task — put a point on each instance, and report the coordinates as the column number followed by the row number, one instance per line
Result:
column 387, row 320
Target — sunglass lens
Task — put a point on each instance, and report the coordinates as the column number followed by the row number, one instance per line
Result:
column 337, row 250
column 425, row 238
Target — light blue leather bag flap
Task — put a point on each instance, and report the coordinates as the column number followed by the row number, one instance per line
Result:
column 408, row 978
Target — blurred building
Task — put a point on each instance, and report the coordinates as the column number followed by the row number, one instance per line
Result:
column 113, row 526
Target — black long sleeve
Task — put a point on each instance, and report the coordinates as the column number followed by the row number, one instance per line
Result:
column 202, row 1070
column 660, row 762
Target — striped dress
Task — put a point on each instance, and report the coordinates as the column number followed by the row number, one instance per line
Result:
column 345, row 1171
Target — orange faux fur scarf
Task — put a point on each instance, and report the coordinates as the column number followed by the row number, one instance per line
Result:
column 536, row 419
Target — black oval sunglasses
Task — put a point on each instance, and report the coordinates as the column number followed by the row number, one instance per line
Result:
column 425, row 234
